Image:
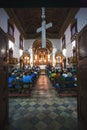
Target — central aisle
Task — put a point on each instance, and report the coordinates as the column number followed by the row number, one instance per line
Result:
column 44, row 88
column 44, row 110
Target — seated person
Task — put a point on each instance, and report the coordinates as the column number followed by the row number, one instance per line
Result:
column 26, row 78
column 18, row 82
column 64, row 73
column 75, row 79
column 61, row 80
column 52, row 76
column 56, row 79
column 11, row 81
column 70, row 80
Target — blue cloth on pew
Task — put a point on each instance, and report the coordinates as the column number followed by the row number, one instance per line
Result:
column 27, row 79
column 57, row 86
column 10, row 80
column 71, row 79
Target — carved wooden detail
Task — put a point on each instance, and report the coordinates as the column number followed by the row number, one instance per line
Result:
column 60, row 59
column 25, row 59
column 13, row 61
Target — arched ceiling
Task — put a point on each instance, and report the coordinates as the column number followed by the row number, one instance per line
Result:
column 29, row 19
column 37, row 45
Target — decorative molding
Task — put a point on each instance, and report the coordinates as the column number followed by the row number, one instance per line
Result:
column 74, row 37
column 59, row 53
column 72, row 60
column 13, row 61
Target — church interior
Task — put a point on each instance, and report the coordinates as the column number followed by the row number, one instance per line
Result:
column 43, row 67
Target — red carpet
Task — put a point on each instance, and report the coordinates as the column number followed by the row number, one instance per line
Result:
column 68, row 94
column 19, row 95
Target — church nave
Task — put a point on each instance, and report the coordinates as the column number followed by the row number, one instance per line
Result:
column 44, row 110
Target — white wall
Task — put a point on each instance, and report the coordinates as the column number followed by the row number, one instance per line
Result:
column 68, row 42
column 16, row 52
column 56, row 46
column 68, row 35
column 56, row 43
column 4, row 20
column 28, row 47
column 28, row 43
column 81, row 18
column 4, row 25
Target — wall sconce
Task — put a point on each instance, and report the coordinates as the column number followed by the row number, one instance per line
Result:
column 48, row 56
column 35, row 57
column 26, row 59
column 2, row 51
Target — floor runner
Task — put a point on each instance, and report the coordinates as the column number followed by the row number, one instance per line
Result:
column 19, row 95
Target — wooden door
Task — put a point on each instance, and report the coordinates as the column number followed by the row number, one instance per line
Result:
column 82, row 77
column 3, row 81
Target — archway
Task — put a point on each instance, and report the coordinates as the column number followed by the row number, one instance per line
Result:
column 42, row 56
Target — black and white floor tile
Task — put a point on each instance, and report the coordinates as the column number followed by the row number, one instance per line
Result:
column 44, row 110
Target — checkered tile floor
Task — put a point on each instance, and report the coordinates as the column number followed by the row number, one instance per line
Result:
column 44, row 110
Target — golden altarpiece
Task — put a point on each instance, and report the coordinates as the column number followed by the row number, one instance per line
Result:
column 42, row 56
column 25, row 59
column 60, row 59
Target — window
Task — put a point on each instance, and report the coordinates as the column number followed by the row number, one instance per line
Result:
column 74, row 37
column 10, row 53
column 63, row 42
column 11, row 29
column 21, row 43
column 73, row 27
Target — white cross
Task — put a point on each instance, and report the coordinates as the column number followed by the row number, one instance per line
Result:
column 43, row 28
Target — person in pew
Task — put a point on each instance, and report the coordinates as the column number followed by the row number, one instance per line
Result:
column 13, row 74
column 56, row 76
column 64, row 73
column 52, row 76
column 56, row 84
column 18, row 81
column 70, row 80
column 26, row 79
column 61, row 80
column 11, row 81
column 75, row 79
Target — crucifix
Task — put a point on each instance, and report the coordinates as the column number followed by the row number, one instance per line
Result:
column 43, row 28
